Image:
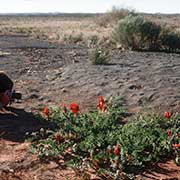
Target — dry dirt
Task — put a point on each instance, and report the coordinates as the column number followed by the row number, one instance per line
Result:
column 51, row 74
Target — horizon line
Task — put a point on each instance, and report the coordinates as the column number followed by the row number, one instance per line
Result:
column 31, row 13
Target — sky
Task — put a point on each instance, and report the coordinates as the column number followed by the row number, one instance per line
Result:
column 88, row 6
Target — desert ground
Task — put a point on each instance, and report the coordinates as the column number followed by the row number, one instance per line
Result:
column 47, row 70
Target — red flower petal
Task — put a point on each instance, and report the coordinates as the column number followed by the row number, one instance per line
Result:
column 46, row 111
column 167, row 114
column 176, row 145
column 74, row 108
column 116, row 150
column 101, row 99
column 101, row 104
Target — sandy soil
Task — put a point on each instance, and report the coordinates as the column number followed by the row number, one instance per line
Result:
column 51, row 74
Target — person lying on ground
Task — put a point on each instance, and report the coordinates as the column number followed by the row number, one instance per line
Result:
column 6, row 86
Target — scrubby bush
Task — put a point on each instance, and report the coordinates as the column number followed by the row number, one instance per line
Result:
column 136, row 33
column 127, row 32
column 113, row 16
column 118, row 13
column 99, row 56
column 170, row 40
column 150, row 32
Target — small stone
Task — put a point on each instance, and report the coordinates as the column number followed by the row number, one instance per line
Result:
column 41, row 98
column 63, row 90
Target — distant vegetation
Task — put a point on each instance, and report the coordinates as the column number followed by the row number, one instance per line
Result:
column 112, row 16
column 137, row 33
column 119, row 27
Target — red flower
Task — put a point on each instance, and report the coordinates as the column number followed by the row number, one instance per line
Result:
column 74, row 108
column 46, row 111
column 169, row 133
column 101, row 99
column 101, row 104
column 116, row 150
column 167, row 114
column 64, row 108
column 176, row 146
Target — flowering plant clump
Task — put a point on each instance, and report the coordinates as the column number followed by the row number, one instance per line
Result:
column 104, row 141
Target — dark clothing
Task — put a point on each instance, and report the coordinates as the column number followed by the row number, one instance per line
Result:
column 5, row 83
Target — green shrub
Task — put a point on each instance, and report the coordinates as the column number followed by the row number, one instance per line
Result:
column 135, row 32
column 144, row 140
column 99, row 56
column 150, row 33
column 170, row 40
column 127, row 32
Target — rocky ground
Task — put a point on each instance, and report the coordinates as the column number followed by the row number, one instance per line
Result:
column 50, row 74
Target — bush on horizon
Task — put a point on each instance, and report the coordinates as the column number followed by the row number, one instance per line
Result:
column 112, row 16
column 137, row 33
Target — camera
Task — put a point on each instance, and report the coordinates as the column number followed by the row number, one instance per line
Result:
column 16, row 95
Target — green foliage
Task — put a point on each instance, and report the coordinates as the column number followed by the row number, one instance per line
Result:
column 174, row 137
column 170, row 40
column 127, row 31
column 137, row 33
column 91, row 138
column 99, row 56
column 144, row 140
column 150, row 32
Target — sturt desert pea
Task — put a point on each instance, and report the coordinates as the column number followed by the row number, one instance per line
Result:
column 176, row 146
column 167, row 114
column 46, row 111
column 74, row 108
column 116, row 150
column 101, row 104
